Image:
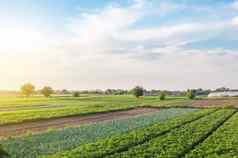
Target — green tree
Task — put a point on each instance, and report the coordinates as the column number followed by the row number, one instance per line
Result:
column 76, row 94
column 47, row 91
column 138, row 91
column 191, row 94
column 27, row 89
column 162, row 95
column 3, row 154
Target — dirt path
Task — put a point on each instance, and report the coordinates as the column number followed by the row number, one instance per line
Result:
column 57, row 123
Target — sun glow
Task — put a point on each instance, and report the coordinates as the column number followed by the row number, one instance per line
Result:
column 18, row 39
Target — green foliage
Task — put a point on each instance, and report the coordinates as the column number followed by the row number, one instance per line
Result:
column 138, row 91
column 191, row 94
column 19, row 109
column 116, row 143
column 176, row 142
column 162, row 95
column 76, row 94
column 27, row 89
column 60, row 140
column 223, row 143
column 3, row 153
column 47, row 91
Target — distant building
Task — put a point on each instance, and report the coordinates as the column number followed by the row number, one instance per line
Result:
column 233, row 93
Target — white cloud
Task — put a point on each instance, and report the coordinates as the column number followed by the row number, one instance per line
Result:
column 235, row 5
column 235, row 21
column 107, row 50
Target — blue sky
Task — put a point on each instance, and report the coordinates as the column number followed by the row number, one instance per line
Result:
column 119, row 44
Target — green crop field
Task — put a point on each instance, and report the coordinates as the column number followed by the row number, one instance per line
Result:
column 171, row 132
column 206, row 133
column 60, row 140
column 19, row 109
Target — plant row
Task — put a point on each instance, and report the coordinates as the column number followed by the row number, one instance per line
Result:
column 221, row 144
column 179, row 141
column 122, row 142
column 55, row 141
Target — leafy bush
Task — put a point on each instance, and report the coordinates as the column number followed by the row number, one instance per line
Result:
column 76, row 94
column 162, row 95
column 191, row 94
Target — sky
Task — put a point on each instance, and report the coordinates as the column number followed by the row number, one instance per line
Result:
column 100, row 44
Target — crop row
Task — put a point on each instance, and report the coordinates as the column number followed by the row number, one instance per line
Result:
column 221, row 144
column 179, row 141
column 122, row 142
column 59, row 140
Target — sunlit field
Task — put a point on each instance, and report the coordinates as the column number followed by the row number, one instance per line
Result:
column 18, row 109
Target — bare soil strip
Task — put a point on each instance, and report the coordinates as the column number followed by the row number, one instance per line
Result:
column 217, row 102
column 58, row 123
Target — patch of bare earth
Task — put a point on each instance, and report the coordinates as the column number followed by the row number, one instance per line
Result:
column 58, row 123
column 218, row 102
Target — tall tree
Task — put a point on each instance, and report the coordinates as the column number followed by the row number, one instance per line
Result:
column 138, row 91
column 47, row 91
column 27, row 89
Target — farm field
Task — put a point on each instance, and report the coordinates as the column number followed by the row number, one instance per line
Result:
column 191, row 135
column 59, row 140
column 18, row 109
column 120, row 126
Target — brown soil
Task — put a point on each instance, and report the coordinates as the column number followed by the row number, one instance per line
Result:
column 58, row 123
column 218, row 102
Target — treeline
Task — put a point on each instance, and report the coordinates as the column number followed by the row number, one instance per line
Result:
column 29, row 89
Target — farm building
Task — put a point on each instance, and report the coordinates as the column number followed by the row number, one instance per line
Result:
column 224, row 94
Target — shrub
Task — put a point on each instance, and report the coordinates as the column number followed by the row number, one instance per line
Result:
column 162, row 95
column 191, row 94
column 76, row 94
column 138, row 91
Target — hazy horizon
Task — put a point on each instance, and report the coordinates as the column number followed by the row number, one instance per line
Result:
column 77, row 44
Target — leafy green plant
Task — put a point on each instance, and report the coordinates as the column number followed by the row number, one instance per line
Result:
column 180, row 140
column 191, row 94
column 3, row 153
column 76, row 94
column 59, row 140
column 223, row 143
column 162, row 95
column 122, row 142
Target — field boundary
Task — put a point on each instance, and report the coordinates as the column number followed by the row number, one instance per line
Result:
column 193, row 146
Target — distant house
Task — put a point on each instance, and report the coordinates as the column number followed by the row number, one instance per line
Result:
column 233, row 93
